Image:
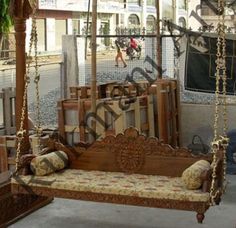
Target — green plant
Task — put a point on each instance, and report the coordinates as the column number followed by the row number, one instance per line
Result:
column 5, row 19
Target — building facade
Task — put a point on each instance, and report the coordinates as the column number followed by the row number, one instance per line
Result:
column 209, row 15
column 58, row 17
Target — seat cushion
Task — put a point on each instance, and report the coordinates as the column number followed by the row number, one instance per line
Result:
column 147, row 186
column 192, row 176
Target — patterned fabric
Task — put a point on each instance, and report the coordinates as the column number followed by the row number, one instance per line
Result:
column 192, row 175
column 49, row 163
column 147, row 186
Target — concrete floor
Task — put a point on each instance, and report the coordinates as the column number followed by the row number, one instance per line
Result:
column 70, row 213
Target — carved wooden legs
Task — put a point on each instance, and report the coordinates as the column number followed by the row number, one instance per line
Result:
column 200, row 217
column 218, row 200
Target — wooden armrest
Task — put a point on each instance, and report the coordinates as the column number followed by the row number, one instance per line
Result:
column 46, row 150
column 206, row 180
column 24, row 163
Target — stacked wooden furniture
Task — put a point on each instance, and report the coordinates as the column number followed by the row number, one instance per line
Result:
column 113, row 117
column 162, row 109
column 7, row 100
column 167, row 111
column 13, row 207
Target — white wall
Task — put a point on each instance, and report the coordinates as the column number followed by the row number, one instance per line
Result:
column 193, row 9
column 50, row 34
column 69, row 26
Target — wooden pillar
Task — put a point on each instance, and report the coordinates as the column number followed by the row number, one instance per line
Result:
column 94, row 65
column 21, row 9
column 158, row 47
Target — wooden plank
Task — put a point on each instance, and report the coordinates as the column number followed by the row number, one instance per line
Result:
column 70, row 104
column 137, row 114
column 7, row 107
column 161, row 116
column 61, row 120
column 82, row 124
column 72, row 128
column 150, row 113
column 178, row 120
column 173, row 114
column 119, row 122
column 10, row 141
column 3, row 155
column 100, row 128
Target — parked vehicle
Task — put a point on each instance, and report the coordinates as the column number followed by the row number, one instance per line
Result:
column 134, row 48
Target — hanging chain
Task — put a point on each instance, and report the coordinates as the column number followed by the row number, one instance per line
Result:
column 220, row 142
column 225, row 140
column 21, row 132
column 36, row 81
column 213, row 193
column 218, row 70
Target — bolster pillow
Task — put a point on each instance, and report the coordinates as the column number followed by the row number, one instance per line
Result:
column 192, row 175
column 49, row 163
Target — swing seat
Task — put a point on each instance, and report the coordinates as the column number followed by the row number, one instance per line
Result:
column 126, row 169
column 77, row 182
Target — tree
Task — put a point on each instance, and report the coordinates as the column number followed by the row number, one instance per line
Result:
column 5, row 19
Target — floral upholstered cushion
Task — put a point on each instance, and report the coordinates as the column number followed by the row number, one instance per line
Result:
column 147, row 186
column 49, row 163
column 192, row 175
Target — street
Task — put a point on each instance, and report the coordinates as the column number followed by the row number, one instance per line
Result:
column 50, row 78
column 50, row 74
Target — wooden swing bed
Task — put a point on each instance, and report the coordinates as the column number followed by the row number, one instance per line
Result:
column 127, row 169
column 145, row 162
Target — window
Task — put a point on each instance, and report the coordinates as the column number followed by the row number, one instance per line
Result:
column 150, row 2
column 133, row 20
column 150, row 24
column 167, row 9
column 183, row 4
column 138, row 2
column 182, row 22
column 76, row 27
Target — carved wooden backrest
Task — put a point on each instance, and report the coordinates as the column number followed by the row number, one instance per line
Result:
column 132, row 153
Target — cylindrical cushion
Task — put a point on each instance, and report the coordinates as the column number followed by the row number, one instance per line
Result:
column 192, row 175
column 49, row 163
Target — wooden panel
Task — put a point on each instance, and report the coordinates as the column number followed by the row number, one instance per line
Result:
column 61, row 120
column 3, row 155
column 117, row 110
column 13, row 208
column 199, row 207
column 133, row 153
column 161, row 113
column 8, row 97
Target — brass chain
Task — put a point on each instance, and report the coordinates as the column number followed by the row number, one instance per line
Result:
column 36, row 81
column 225, row 140
column 21, row 132
column 220, row 142
column 215, row 145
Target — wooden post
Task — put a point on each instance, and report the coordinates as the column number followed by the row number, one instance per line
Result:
column 159, row 50
column 87, row 27
column 94, row 64
column 21, row 9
